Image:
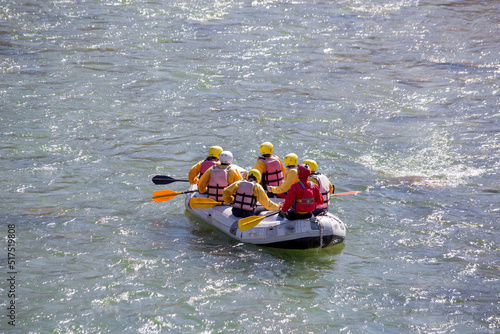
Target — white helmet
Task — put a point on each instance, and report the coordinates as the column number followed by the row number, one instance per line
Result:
column 226, row 158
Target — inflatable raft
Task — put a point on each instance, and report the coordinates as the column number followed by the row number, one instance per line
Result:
column 273, row 231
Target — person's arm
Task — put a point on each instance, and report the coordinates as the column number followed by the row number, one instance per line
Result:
column 291, row 178
column 229, row 191
column 233, row 175
column 318, row 198
column 283, row 167
column 259, row 192
column 289, row 199
column 313, row 180
column 202, row 185
column 194, row 172
column 331, row 187
column 260, row 165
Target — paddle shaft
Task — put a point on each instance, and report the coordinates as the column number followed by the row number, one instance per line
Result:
column 252, row 221
column 157, row 194
column 271, row 214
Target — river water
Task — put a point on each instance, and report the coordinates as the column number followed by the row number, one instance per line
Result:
column 398, row 99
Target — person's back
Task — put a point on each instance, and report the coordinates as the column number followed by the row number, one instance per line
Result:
column 244, row 199
column 219, row 177
column 291, row 161
column 218, row 181
column 302, row 198
column 197, row 171
column 325, row 186
column 243, row 195
column 270, row 166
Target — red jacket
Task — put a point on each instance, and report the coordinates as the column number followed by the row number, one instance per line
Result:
column 297, row 192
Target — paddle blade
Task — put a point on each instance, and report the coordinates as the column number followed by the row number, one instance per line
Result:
column 203, row 203
column 163, row 179
column 347, row 193
column 250, row 222
column 164, row 195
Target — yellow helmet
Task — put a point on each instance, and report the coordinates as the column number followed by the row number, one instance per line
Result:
column 312, row 164
column 255, row 173
column 266, row 148
column 291, row 159
column 215, row 151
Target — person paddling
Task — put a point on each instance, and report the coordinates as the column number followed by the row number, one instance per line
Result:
column 197, row 171
column 243, row 196
column 302, row 198
column 270, row 166
column 291, row 161
column 218, row 177
column 325, row 186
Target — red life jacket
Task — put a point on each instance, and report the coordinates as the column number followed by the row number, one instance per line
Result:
column 305, row 203
column 244, row 198
column 324, row 189
column 273, row 176
column 217, row 183
column 206, row 164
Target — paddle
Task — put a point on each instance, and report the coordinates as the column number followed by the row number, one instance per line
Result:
column 203, row 203
column 252, row 221
column 347, row 193
column 163, row 179
column 167, row 195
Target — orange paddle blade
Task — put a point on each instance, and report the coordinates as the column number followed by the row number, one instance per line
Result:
column 164, row 195
column 347, row 193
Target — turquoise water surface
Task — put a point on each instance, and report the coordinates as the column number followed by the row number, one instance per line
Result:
column 397, row 99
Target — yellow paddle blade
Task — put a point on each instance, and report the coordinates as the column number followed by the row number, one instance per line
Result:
column 164, row 195
column 250, row 222
column 203, row 203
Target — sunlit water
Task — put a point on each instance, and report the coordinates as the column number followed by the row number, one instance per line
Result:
column 397, row 99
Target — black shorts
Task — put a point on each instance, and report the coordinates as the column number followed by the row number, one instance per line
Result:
column 243, row 213
column 291, row 215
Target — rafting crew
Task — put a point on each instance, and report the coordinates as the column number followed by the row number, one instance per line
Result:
column 218, row 177
column 291, row 160
column 197, row 171
column 325, row 186
column 270, row 167
column 302, row 198
column 305, row 190
column 244, row 195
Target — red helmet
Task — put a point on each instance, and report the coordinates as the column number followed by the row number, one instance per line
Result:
column 303, row 171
